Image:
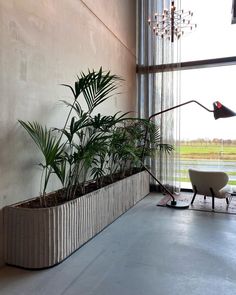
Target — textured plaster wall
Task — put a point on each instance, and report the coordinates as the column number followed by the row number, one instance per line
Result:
column 45, row 43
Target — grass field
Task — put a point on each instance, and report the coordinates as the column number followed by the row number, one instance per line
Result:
column 186, row 179
column 207, row 152
column 197, row 151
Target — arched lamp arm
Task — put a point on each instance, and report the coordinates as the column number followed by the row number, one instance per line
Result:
column 178, row 106
column 219, row 111
column 164, row 111
column 145, row 140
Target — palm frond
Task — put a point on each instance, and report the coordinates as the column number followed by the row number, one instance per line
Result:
column 98, row 87
column 72, row 90
column 47, row 143
column 165, row 147
column 75, row 106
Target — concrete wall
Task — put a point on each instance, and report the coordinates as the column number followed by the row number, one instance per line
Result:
column 45, row 43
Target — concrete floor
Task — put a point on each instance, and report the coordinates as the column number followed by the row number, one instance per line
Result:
column 149, row 250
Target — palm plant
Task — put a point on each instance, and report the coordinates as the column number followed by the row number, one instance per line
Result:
column 143, row 140
column 89, row 131
column 52, row 151
column 90, row 145
column 73, row 152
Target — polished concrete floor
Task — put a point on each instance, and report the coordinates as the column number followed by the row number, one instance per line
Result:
column 149, row 250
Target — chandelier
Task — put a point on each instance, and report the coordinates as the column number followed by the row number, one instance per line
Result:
column 171, row 23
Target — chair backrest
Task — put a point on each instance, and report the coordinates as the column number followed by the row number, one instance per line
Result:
column 204, row 180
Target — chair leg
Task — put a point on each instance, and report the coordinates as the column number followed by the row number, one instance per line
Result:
column 213, row 199
column 193, row 198
column 227, row 201
column 213, row 203
column 204, row 197
column 194, row 195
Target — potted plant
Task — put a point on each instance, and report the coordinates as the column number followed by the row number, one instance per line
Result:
column 97, row 160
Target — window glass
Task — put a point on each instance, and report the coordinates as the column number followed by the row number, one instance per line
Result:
column 215, row 36
column 206, row 143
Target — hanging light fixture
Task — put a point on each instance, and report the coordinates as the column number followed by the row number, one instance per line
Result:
column 171, row 23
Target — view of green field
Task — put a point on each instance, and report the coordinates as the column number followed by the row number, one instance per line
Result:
column 210, row 151
column 214, row 155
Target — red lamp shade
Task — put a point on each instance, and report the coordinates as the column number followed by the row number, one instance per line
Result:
column 220, row 111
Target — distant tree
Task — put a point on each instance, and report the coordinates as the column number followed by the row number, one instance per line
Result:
column 228, row 141
column 216, row 141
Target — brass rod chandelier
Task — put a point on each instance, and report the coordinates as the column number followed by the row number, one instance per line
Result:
column 171, row 23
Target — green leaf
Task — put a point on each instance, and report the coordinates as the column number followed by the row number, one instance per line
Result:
column 72, row 90
column 98, row 87
column 47, row 143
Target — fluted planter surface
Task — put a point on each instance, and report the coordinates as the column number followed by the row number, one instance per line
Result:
column 40, row 238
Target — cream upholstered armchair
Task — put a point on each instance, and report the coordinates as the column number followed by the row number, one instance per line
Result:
column 210, row 183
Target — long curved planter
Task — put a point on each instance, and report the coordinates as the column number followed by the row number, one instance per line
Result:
column 40, row 238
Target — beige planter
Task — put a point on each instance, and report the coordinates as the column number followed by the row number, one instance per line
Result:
column 39, row 238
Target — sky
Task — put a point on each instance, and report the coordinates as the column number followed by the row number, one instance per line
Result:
column 214, row 37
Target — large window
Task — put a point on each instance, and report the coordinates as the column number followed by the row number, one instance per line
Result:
column 208, row 144
column 215, row 36
column 206, row 59
column 205, row 143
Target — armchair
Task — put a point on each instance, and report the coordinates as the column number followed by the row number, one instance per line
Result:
column 210, row 183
